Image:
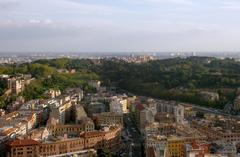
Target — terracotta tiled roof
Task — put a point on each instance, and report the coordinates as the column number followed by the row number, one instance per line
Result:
column 140, row 107
column 24, row 142
column 195, row 145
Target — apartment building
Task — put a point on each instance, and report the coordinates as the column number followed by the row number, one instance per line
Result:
column 107, row 139
column 119, row 105
column 109, row 118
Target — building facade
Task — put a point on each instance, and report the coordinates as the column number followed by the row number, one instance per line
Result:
column 107, row 139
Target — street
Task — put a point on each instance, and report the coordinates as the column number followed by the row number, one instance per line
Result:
column 132, row 142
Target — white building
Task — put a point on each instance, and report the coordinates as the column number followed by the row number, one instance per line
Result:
column 174, row 108
column 179, row 114
column 118, row 105
column 156, row 144
column 95, row 84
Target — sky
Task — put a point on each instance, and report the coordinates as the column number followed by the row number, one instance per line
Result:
column 119, row 25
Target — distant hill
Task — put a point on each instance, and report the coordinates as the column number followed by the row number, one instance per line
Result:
column 181, row 79
column 177, row 79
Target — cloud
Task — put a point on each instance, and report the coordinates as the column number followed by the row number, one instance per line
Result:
column 8, row 4
column 81, row 38
column 41, row 32
column 63, row 11
column 77, row 25
column 34, row 21
column 230, row 5
column 44, row 21
column 172, row 2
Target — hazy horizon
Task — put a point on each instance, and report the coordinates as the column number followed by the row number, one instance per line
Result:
column 119, row 26
column 123, row 53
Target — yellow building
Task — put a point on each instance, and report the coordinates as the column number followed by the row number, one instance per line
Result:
column 60, row 130
column 176, row 144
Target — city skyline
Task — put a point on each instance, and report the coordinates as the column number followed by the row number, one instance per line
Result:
column 126, row 25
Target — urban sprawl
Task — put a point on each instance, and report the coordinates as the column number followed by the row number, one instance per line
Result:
column 75, row 123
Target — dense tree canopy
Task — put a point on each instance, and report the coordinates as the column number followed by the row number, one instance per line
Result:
column 176, row 79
